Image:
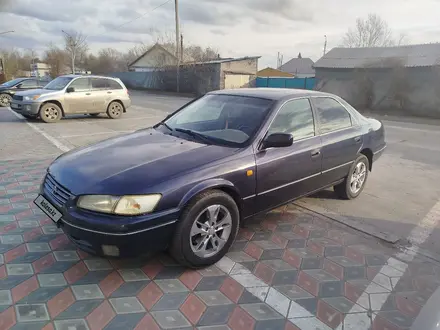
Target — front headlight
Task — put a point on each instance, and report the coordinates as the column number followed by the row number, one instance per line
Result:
column 31, row 98
column 124, row 205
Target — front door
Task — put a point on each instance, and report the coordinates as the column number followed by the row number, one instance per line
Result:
column 341, row 140
column 81, row 99
column 287, row 173
column 27, row 84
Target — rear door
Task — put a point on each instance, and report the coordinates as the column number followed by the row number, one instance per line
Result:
column 341, row 138
column 81, row 99
column 101, row 94
column 286, row 173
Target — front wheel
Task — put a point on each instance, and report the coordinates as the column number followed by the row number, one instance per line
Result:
column 5, row 100
column 206, row 230
column 354, row 183
column 50, row 113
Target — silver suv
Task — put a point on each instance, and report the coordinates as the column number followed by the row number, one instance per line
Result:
column 73, row 94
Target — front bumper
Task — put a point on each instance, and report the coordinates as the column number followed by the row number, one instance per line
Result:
column 116, row 236
column 25, row 107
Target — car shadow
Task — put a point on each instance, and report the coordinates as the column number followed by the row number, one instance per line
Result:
column 324, row 194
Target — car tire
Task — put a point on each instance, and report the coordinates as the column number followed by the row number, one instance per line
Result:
column 356, row 179
column 115, row 110
column 5, row 100
column 194, row 230
column 50, row 113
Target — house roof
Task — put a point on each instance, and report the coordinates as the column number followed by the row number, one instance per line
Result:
column 381, row 57
column 298, row 66
column 166, row 48
column 225, row 60
column 271, row 72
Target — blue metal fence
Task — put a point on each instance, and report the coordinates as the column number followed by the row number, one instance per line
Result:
column 275, row 82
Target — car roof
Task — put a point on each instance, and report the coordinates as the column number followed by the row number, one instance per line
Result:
column 269, row 93
column 86, row 76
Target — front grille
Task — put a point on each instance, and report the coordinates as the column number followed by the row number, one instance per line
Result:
column 55, row 191
column 17, row 97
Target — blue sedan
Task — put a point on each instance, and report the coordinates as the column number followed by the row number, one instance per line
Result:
column 187, row 183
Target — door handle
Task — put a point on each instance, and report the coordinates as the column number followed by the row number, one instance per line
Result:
column 109, row 92
column 357, row 139
column 88, row 93
column 316, row 153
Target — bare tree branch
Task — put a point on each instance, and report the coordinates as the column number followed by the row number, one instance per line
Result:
column 371, row 32
column 76, row 46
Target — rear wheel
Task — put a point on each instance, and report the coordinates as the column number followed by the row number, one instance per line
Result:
column 115, row 110
column 50, row 113
column 206, row 230
column 354, row 183
column 5, row 100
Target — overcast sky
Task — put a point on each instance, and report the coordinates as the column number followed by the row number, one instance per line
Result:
column 234, row 27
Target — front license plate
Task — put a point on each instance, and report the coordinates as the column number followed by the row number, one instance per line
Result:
column 48, row 208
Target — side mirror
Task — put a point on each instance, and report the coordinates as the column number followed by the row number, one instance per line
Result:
column 278, row 140
column 70, row 89
column 17, row 86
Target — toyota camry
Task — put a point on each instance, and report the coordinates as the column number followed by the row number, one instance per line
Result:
column 187, row 183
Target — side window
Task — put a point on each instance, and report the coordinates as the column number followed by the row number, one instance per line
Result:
column 100, row 84
column 296, row 118
column 29, row 83
column 332, row 115
column 113, row 84
column 80, row 85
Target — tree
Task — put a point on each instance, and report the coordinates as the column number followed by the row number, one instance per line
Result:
column 371, row 32
column 76, row 46
column 56, row 58
column 299, row 55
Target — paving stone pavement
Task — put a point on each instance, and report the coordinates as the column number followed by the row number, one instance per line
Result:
column 290, row 269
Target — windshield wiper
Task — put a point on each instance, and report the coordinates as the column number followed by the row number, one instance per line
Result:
column 195, row 134
column 164, row 124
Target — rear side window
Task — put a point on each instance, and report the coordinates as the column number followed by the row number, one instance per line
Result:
column 331, row 114
column 100, row 83
column 114, row 84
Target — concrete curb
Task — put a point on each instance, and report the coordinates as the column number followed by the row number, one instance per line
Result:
column 364, row 228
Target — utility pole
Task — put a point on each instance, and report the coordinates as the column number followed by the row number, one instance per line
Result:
column 325, row 44
column 181, row 48
column 176, row 9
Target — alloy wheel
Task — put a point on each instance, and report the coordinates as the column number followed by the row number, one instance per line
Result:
column 51, row 113
column 5, row 100
column 357, row 179
column 210, row 231
column 115, row 109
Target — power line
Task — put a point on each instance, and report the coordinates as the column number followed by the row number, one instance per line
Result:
column 134, row 19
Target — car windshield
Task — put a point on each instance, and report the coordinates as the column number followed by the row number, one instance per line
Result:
column 222, row 119
column 58, row 83
column 11, row 82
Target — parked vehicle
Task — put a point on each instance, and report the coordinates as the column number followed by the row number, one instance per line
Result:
column 74, row 94
column 9, row 88
column 188, row 182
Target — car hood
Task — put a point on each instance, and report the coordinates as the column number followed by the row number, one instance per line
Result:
column 131, row 164
column 32, row 92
